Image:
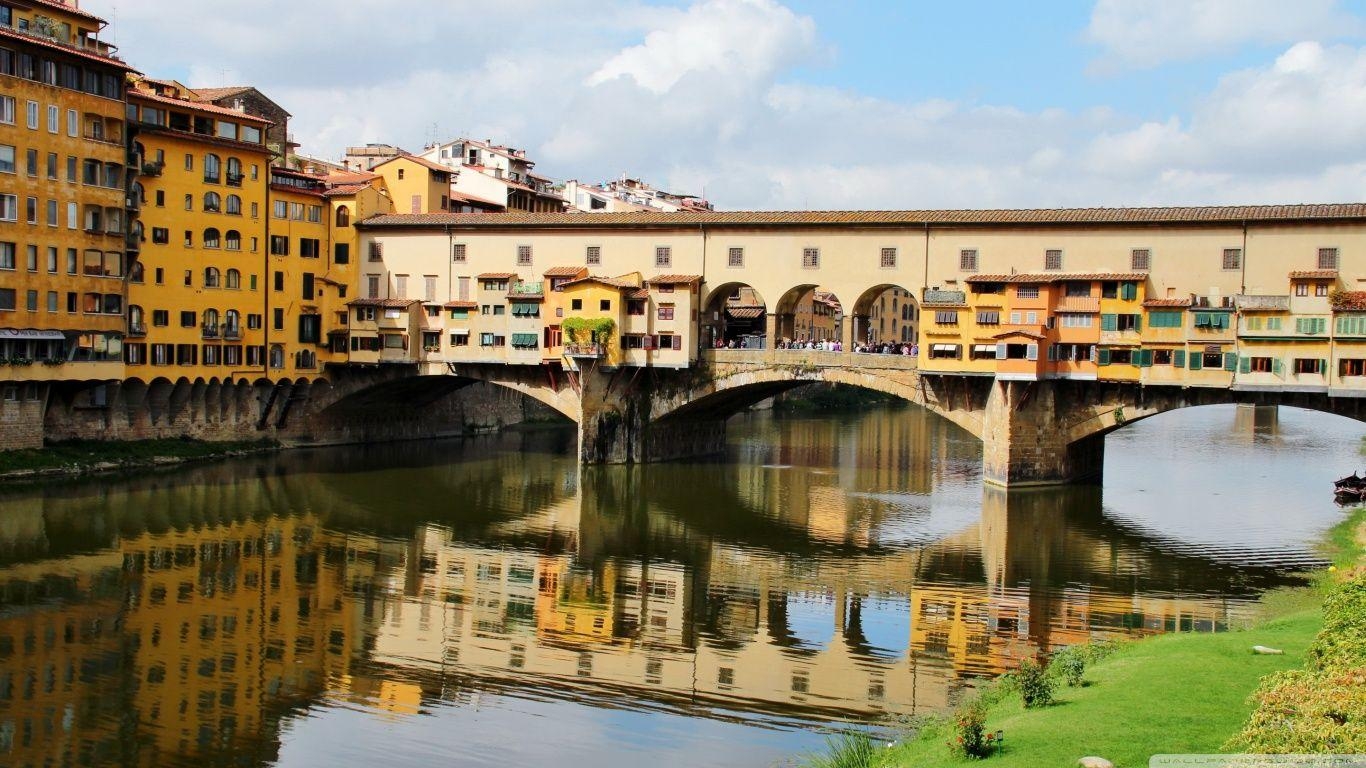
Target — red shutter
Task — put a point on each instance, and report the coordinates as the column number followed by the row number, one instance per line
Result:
column 678, row 342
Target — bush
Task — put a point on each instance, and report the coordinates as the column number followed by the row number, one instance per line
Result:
column 970, row 737
column 1070, row 664
column 1036, row 687
column 848, row 750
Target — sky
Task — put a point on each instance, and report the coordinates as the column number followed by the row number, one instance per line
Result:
column 810, row 104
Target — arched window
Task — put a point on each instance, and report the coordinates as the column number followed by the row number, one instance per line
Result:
column 212, row 168
column 211, row 277
column 277, row 356
column 139, row 193
column 234, row 207
column 135, row 272
column 232, row 322
column 140, row 151
column 232, row 240
column 233, row 279
column 234, row 172
column 343, row 216
column 211, row 238
column 136, row 326
column 212, row 202
column 210, row 321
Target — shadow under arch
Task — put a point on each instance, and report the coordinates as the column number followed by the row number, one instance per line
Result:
column 418, row 392
column 734, row 312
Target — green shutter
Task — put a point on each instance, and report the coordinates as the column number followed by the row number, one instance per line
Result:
column 1103, row 357
column 1145, row 358
column 1323, row 367
column 1273, row 323
column 1179, row 358
column 1128, row 291
column 1320, row 324
column 1138, row 322
column 1001, row 351
column 1197, row 361
column 1278, row 368
column 1245, row 365
column 1230, row 361
column 1109, row 322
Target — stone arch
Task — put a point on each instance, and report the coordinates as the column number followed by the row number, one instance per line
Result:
column 180, row 399
column 198, row 400
column 808, row 312
column 886, row 312
column 733, row 312
column 159, row 399
column 134, row 393
column 213, row 401
column 419, row 391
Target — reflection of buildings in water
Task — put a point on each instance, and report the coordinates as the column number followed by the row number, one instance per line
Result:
column 1254, row 422
column 229, row 624
column 59, row 644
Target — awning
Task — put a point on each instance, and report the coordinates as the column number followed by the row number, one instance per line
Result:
column 460, row 331
column 976, row 347
column 7, row 333
column 524, row 339
column 947, row 347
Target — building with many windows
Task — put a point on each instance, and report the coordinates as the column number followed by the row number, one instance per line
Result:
column 64, row 206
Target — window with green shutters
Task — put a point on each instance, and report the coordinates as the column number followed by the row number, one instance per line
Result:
column 1255, row 323
column 1350, row 325
column 1109, row 323
column 1278, row 367
column 1310, row 325
column 1165, row 319
column 1179, row 358
column 1128, row 291
column 1273, row 323
column 1244, row 365
column 1145, row 358
column 1230, row 361
column 524, row 340
column 1214, row 321
column 1197, row 362
column 1103, row 356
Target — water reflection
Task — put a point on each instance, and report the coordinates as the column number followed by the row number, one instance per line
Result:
column 833, row 569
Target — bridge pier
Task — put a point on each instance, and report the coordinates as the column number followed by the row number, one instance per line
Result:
column 616, row 425
column 1027, row 442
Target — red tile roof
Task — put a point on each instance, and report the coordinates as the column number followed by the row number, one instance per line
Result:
column 343, row 190
column 1314, row 274
column 428, row 164
column 1228, row 215
column 68, row 8
column 462, row 305
column 1026, row 334
column 350, row 177
column 198, row 105
column 496, row 276
column 745, row 312
column 565, row 271
column 43, row 42
column 674, row 280
column 1058, row 277
column 614, row 282
column 385, row 303
column 638, row 293
column 214, row 94
column 1178, row 303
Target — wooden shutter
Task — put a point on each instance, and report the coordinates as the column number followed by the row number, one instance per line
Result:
column 1104, row 357
column 1230, row 361
column 1032, row 352
column 678, row 342
column 1197, row 361
column 1145, row 358
column 1245, row 365
column 1179, row 358
column 1109, row 322
column 1001, row 351
column 1278, row 367
column 1138, row 322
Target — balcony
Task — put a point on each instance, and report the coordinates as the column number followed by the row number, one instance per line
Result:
column 210, row 331
column 235, row 179
column 132, row 243
column 137, row 329
column 232, row 333
column 945, row 298
column 153, row 169
column 584, row 350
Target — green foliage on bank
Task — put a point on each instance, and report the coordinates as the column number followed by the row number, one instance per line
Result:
column 85, row 455
column 1321, row 707
column 582, row 330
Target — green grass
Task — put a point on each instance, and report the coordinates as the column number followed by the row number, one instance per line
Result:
column 1168, row 694
column 84, row 454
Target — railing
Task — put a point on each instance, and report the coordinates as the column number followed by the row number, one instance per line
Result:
column 153, row 169
column 813, row 358
column 210, row 331
column 235, row 179
column 584, row 350
column 137, row 329
column 232, row 333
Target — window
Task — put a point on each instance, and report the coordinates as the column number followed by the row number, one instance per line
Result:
column 666, row 311
column 523, row 255
column 1309, row 365
column 1353, row 367
column 458, row 253
column 280, row 209
column 946, row 351
column 32, row 115
column 593, row 255
column 6, row 158
column 232, row 240
column 343, row 216
column 967, row 260
column 1328, row 258
column 1321, row 289
column 1027, row 291
column 7, row 252
column 946, row 317
column 1052, row 259
column 1233, row 258
column 31, row 210
column 234, row 206
column 277, row 319
column 212, row 202
column 187, row 319
column 233, row 280
column 161, row 235
column 576, row 304
column 310, row 248
column 315, row 214
column 1212, row 321
column 211, row 275
column 372, row 286
column 1075, row 320
column 7, row 300
column 7, row 110
column 811, row 258
column 376, row 251
column 989, row 317
column 212, row 168
column 1166, row 319
column 605, row 305
column 1140, row 259
column 9, row 207
column 401, row 286
column 735, row 257
column 31, row 162
column 1301, row 289
column 341, row 253
column 211, row 238
column 888, row 260
column 1310, row 325
column 663, row 257
column 279, row 280
column 279, row 245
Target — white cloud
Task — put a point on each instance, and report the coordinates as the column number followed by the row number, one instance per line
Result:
column 707, row 97
column 1139, row 34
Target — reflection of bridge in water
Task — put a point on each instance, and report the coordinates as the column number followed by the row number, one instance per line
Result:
column 195, row 610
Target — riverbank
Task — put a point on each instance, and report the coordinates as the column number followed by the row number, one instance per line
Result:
column 1177, row 693
column 80, row 457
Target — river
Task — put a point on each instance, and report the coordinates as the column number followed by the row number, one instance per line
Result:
column 483, row 602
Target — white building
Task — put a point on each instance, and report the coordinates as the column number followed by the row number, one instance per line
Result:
column 625, row 195
column 498, row 174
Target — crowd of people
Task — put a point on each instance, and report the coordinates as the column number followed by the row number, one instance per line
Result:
column 829, row 345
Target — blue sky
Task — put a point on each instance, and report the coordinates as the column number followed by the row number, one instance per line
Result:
column 796, row 103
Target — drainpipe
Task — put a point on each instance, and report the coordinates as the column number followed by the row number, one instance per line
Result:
column 1243, row 278
column 701, row 310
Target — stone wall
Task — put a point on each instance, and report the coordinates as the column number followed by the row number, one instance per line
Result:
column 21, row 419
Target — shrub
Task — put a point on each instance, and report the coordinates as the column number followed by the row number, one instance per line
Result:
column 1070, row 664
column 1036, row 687
column 970, row 738
column 847, row 750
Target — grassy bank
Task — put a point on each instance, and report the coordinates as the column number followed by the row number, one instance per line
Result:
column 79, row 456
column 1192, row 692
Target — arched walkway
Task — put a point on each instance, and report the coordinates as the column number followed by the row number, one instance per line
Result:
column 808, row 314
column 885, row 314
column 735, row 315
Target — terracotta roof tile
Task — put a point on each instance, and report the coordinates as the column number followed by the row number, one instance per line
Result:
column 385, row 303
column 1026, row 334
column 638, row 293
column 1230, row 215
column 428, row 164
column 745, row 312
column 68, row 8
column 349, row 177
column 674, row 280
column 1058, row 277
column 198, row 105
column 342, row 190
column 565, row 271
column 214, row 94
column 1020, row 278
column 614, row 282
column 496, row 276
column 1177, row 303
column 462, row 305
column 68, row 49
column 1314, row 274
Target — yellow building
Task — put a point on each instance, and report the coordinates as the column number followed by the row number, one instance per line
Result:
column 305, row 294
column 63, row 205
column 197, row 305
column 415, row 185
